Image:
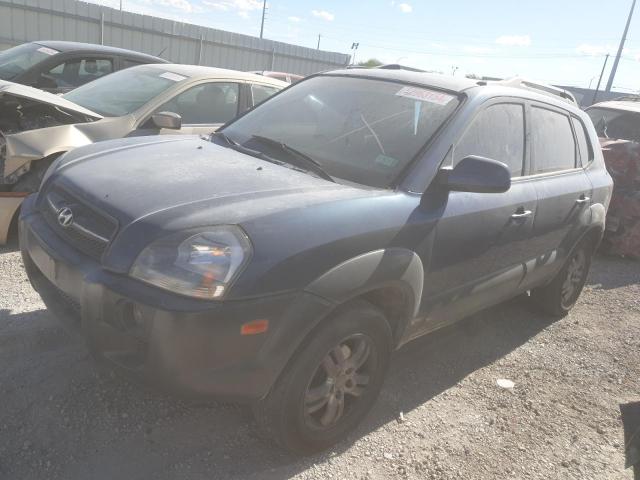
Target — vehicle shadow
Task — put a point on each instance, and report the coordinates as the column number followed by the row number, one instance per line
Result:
column 613, row 272
column 212, row 437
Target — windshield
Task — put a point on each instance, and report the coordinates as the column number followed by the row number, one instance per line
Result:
column 618, row 124
column 360, row 130
column 19, row 59
column 123, row 92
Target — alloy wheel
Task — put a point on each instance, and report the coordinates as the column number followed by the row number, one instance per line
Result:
column 338, row 383
column 576, row 274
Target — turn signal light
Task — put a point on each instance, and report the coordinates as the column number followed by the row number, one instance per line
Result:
column 254, row 327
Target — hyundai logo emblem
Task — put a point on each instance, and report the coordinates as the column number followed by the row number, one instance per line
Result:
column 65, row 217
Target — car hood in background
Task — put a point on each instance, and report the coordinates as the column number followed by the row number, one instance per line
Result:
column 22, row 146
column 31, row 93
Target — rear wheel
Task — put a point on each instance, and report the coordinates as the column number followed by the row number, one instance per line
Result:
column 558, row 297
column 331, row 384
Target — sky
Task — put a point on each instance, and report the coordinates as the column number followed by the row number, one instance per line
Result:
column 563, row 42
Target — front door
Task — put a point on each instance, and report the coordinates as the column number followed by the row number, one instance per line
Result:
column 481, row 240
column 204, row 108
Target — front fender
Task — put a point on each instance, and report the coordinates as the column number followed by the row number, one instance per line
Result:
column 370, row 271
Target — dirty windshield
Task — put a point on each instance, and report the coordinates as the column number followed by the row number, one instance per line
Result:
column 618, row 124
column 19, row 59
column 360, row 130
column 107, row 97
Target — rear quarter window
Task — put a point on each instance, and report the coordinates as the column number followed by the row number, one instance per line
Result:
column 553, row 147
column 584, row 145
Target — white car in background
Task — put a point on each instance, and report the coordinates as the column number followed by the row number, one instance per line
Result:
column 36, row 127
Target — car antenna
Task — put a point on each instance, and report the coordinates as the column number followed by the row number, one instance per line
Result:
column 161, row 52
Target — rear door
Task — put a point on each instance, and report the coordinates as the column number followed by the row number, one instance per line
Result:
column 562, row 187
column 482, row 239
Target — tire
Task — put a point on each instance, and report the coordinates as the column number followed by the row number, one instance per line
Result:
column 302, row 412
column 559, row 296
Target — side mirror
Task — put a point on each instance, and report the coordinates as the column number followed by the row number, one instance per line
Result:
column 169, row 120
column 476, row 175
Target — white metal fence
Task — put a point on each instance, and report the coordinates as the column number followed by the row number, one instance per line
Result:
column 28, row 20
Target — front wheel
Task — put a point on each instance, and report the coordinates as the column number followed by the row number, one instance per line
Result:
column 331, row 383
column 559, row 297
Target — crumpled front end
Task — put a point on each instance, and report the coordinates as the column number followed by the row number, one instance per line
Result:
column 22, row 140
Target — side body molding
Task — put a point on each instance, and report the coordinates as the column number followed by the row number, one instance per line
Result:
column 372, row 270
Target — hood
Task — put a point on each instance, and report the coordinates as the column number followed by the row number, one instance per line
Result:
column 155, row 186
column 22, row 91
column 144, row 179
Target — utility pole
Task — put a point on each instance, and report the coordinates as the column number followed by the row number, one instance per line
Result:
column 595, row 94
column 454, row 69
column 264, row 10
column 319, row 41
column 354, row 47
column 120, row 5
column 624, row 38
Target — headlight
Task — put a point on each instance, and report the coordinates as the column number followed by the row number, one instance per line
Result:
column 199, row 264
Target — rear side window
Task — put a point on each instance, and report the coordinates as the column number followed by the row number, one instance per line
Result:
column 584, row 147
column 552, row 145
column 496, row 133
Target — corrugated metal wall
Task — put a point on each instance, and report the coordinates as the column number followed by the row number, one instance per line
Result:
column 27, row 20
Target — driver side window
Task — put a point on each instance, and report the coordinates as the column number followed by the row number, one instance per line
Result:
column 496, row 133
column 209, row 103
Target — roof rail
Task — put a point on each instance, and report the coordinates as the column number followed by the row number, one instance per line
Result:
column 627, row 98
column 543, row 88
column 397, row 66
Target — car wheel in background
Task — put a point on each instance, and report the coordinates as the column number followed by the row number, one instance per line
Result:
column 331, row 383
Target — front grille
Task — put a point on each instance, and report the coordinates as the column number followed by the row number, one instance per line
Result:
column 89, row 231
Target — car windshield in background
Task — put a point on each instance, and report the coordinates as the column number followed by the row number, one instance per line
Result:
column 618, row 124
column 360, row 130
column 123, row 92
column 17, row 60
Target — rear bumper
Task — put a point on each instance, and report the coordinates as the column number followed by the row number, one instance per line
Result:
column 189, row 346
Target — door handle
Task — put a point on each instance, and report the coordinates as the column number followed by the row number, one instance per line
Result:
column 521, row 213
column 583, row 199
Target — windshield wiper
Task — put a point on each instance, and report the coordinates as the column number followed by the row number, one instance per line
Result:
column 223, row 136
column 242, row 149
column 306, row 159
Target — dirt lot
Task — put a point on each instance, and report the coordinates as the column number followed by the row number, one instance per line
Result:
column 60, row 417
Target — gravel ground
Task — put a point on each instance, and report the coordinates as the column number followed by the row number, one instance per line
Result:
column 441, row 414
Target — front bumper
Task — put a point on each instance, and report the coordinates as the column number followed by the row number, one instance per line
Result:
column 185, row 345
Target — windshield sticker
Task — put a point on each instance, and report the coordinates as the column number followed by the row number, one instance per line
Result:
column 425, row 95
column 174, row 77
column 48, row 51
column 386, row 161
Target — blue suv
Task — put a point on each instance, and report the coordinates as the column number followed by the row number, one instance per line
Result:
column 283, row 259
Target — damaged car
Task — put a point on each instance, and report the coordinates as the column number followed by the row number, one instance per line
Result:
column 282, row 261
column 618, row 125
column 36, row 127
